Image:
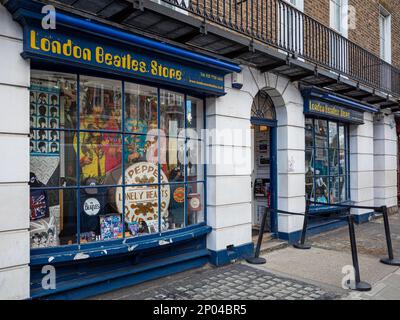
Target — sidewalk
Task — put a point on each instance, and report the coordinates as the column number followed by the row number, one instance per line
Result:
column 289, row 274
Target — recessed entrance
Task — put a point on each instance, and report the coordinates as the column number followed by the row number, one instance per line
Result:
column 264, row 178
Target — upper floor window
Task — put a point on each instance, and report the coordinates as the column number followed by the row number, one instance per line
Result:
column 299, row 4
column 338, row 16
column 385, row 35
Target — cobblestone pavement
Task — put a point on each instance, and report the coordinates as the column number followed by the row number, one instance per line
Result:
column 233, row 282
column 370, row 238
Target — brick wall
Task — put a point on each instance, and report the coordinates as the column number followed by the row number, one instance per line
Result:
column 318, row 9
column 366, row 33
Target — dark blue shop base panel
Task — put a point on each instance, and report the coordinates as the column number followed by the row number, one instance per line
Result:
column 85, row 279
column 231, row 254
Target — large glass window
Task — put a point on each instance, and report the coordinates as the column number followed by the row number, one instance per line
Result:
column 327, row 175
column 111, row 159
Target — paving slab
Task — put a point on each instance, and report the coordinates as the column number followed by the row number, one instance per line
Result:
column 323, row 266
column 371, row 239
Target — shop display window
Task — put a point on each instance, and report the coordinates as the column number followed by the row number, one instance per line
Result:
column 111, row 160
column 327, row 154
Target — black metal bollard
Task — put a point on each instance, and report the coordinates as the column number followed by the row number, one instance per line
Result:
column 301, row 245
column 359, row 285
column 256, row 259
column 390, row 260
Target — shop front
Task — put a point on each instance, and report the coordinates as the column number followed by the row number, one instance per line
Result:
column 328, row 121
column 117, row 165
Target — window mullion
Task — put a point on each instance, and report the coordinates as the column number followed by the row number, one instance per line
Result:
column 123, row 158
column 313, row 156
column 185, row 164
column 159, row 158
column 78, row 152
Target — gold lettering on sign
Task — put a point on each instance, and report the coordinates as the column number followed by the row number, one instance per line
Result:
column 329, row 110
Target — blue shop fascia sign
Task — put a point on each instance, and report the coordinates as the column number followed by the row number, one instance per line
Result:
column 322, row 104
column 66, row 45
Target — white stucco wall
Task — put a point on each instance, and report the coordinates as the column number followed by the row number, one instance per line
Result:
column 14, row 161
column 385, row 161
column 229, row 186
column 362, row 164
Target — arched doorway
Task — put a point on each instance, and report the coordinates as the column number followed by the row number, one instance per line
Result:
column 264, row 164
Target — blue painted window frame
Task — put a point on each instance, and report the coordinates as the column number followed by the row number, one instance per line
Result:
column 318, row 208
column 39, row 255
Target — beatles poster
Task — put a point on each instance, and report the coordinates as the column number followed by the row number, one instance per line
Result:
column 45, row 116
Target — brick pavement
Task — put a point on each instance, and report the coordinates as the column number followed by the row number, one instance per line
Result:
column 233, row 282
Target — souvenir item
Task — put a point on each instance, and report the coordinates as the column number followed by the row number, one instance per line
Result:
column 110, row 227
column 93, row 202
column 44, row 113
column 141, row 202
column 88, row 237
column 194, row 202
column 133, row 228
column 43, row 233
column 38, row 204
column 38, row 199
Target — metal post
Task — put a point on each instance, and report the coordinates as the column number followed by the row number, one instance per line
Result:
column 256, row 259
column 359, row 285
column 390, row 260
column 302, row 245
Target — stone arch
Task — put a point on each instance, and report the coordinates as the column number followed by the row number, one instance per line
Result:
column 263, row 107
column 288, row 103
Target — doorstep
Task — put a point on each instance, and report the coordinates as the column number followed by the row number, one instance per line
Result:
column 270, row 243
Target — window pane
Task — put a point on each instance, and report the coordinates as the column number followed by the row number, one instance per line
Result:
column 100, row 155
column 100, row 104
column 195, row 200
column 176, row 208
column 321, row 189
column 172, row 159
column 309, row 161
column 333, row 135
column 53, row 158
column 333, row 162
column 194, row 114
column 334, row 194
column 52, row 217
column 309, row 133
column 310, row 187
column 321, row 162
column 342, row 140
column 321, row 134
column 52, row 100
column 172, row 112
column 137, row 146
column 342, row 188
column 100, row 219
column 195, row 159
column 343, row 168
column 140, row 108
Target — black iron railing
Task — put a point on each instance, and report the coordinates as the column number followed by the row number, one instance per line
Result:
column 284, row 27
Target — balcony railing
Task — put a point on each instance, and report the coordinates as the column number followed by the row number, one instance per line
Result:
column 280, row 25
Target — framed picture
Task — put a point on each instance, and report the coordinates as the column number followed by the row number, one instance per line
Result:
column 263, row 146
column 263, row 160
